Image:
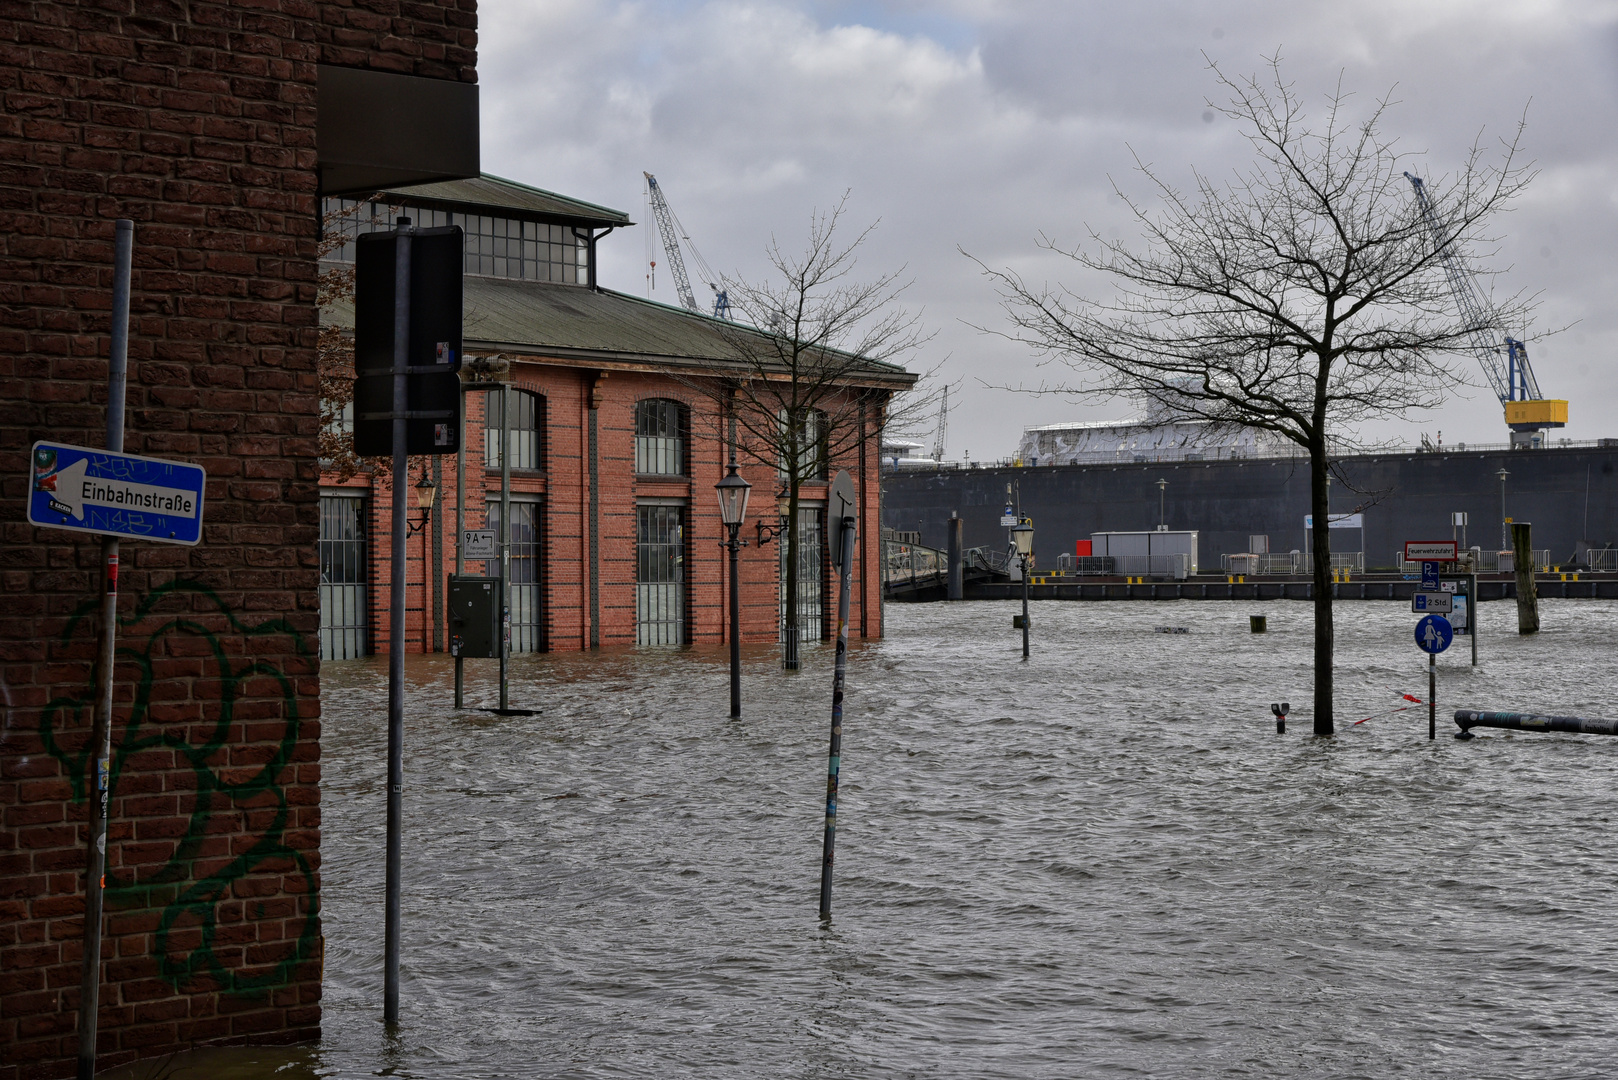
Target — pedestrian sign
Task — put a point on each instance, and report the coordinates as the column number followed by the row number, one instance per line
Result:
column 111, row 494
column 1433, row 634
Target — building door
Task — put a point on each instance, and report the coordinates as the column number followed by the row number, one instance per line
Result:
column 810, row 578
column 344, row 615
column 659, row 575
column 527, row 616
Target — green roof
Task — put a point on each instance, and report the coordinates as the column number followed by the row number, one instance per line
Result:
column 494, row 194
column 571, row 322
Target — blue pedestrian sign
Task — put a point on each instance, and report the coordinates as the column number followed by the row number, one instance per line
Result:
column 1433, row 634
column 1429, row 574
column 98, row 491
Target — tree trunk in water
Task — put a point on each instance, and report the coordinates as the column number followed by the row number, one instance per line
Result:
column 789, row 652
column 1320, row 537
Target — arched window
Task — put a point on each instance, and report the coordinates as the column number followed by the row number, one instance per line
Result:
column 660, row 427
column 527, row 434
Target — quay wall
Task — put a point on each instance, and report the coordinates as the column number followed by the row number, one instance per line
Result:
column 1568, row 494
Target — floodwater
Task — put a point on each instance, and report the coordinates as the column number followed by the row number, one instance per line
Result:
column 1103, row 862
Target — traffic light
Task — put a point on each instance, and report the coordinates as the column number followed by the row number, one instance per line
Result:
column 433, row 419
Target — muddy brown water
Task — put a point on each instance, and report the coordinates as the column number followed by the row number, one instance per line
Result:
column 1103, row 862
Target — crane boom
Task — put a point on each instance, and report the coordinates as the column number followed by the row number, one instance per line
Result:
column 1512, row 380
column 671, row 242
column 943, row 421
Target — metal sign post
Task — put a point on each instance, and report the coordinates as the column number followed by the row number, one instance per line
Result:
column 95, row 881
column 1433, row 636
column 396, row 628
column 842, row 507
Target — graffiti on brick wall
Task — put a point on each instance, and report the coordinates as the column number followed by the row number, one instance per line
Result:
column 229, row 865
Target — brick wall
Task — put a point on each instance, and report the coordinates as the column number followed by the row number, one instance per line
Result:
column 197, row 121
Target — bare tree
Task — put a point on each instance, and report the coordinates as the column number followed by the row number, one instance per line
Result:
column 1302, row 297
column 806, row 373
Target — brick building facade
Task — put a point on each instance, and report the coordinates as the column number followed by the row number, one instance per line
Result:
column 214, row 126
column 619, row 444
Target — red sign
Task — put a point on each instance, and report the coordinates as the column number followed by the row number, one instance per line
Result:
column 1431, row 551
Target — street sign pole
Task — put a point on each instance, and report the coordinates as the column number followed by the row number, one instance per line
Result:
column 841, row 507
column 1433, row 636
column 1432, row 696
column 460, row 536
column 99, row 792
column 396, row 628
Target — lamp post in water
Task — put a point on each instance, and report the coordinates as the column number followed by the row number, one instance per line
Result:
column 1022, row 536
column 732, row 509
column 1505, row 533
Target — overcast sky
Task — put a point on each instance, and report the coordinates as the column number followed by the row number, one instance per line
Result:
column 977, row 125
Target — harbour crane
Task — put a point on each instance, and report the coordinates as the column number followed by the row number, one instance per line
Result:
column 672, row 232
column 943, row 421
column 1528, row 413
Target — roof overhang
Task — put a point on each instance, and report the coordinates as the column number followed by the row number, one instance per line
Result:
column 378, row 129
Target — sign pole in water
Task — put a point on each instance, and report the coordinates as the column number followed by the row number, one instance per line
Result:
column 396, row 630
column 842, row 507
column 1433, row 636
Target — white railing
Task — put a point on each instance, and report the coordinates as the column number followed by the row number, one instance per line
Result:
column 911, row 562
column 1176, row 566
column 1483, row 562
column 1604, row 560
column 1291, row 563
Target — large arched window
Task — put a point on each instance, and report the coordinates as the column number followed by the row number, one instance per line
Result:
column 527, row 434
column 660, row 427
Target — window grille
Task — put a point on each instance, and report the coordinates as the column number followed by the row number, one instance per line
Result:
column 495, row 246
column 810, row 584
column 659, row 575
column 527, row 617
column 527, row 430
column 660, row 438
column 344, row 615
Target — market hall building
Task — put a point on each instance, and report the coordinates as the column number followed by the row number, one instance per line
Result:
column 616, row 441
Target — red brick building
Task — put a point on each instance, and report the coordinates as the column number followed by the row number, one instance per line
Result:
column 215, row 126
column 616, row 446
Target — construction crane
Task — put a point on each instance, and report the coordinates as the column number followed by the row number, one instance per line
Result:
column 672, row 232
column 1528, row 413
column 943, row 421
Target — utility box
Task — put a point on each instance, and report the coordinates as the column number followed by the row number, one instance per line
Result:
column 1161, row 553
column 474, row 615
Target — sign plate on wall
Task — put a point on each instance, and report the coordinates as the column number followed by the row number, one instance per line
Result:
column 478, row 544
column 98, row 491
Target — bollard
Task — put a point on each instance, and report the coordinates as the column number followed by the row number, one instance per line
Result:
column 1258, row 624
column 1522, row 546
column 1280, row 710
column 1511, row 721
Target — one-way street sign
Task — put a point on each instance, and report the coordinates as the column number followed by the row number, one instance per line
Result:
column 98, row 491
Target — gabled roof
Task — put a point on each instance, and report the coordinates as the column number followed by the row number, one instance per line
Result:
column 496, row 195
column 602, row 327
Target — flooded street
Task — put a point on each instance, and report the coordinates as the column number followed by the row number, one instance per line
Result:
column 1103, row 862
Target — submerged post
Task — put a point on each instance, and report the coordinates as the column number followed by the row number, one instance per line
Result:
column 956, row 588
column 99, row 791
column 396, row 629
column 1432, row 696
column 841, row 502
column 1522, row 553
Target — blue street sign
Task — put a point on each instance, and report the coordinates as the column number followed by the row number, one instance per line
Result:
column 98, row 491
column 1429, row 575
column 1433, row 634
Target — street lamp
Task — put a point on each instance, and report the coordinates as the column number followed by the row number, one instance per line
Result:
column 1022, row 536
column 426, row 492
column 1505, row 539
column 732, row 509
column 1162, row 518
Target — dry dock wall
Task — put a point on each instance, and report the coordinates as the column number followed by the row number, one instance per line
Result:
column 1568, row 494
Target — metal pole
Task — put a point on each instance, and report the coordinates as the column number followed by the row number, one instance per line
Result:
column 735, row 628
column 396, row 627
column 1025, row 607
column 505, row 541
column 99, row 792
column 438, row 554
column 1473, row 611
column 834, row 759
column 460, row 536
column 1432, row 695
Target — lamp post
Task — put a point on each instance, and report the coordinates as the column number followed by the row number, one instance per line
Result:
column 426, row 492
column 1162, row 503
column 1022, row 535
column 1505, row 539
column 732, row 509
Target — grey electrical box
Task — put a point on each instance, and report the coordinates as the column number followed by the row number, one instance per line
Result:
column 474, row 615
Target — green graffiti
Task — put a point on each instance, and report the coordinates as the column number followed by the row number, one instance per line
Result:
column 188, row 932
